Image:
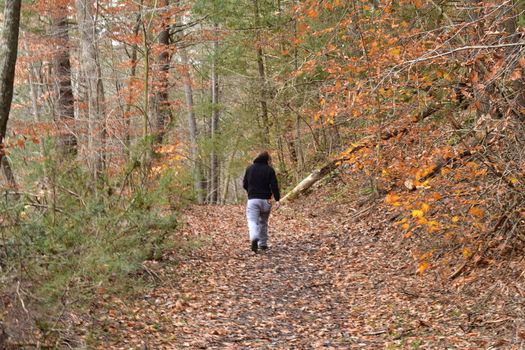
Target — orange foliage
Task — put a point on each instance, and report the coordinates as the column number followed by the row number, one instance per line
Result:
column 367, row 84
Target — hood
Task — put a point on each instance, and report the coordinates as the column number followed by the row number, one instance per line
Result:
column 262, row 158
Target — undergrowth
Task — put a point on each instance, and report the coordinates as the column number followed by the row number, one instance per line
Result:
column 66, row 237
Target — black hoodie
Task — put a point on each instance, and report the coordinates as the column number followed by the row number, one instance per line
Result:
column 260, row 180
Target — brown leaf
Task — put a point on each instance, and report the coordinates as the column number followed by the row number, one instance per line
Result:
column 516, row 74
column 521, row 61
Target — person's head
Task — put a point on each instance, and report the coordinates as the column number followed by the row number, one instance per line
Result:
column 263, row 157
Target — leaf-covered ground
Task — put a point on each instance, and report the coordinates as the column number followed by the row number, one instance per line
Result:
column 335, row 277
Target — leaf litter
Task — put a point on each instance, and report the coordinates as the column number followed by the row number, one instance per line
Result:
column 330, row 280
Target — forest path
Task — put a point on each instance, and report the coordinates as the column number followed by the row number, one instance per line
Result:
column 280, row 298
column 324, row 283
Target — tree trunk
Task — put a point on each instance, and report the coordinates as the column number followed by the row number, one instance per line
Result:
column 311, row 179
column 214, row 166
column 132, row 78
column 8, row 55
column 160, row 106
column 95, row 88
column 298, row 143
column 192, row 126
column 8, row 173
column 262, row 79
column 65, row 108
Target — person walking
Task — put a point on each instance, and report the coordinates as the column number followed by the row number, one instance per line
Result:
column 260, row 182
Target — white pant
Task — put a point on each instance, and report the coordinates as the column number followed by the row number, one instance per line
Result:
column 257, row 214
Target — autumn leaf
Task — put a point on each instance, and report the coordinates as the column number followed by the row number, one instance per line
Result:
column 423, row 266
column 474, row 76
column 477, row 212
column 391, row 198
column 521, row 61
column 21, row 143
column 418, row 4
column 417, row 213
column 395, row 51
column 516, row 74
column 432, row 226
column 312, row 13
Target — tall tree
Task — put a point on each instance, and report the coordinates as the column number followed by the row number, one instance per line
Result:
column 133, row 56
column 92, row 73
column 262, row 77
column 8, row 55
column 65, row 108
column 215, row 118
column 192, row 125
column 190, row 111
column 160, row 107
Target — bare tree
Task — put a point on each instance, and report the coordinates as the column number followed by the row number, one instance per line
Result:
column 192, row 124
column 8, row 56
column 65, row 108
column 262, row 78
column 215, row 116
column 92, row 73
column 161, row 109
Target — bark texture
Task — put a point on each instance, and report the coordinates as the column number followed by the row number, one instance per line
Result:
column 8, row 56
column 262, row 80
column 215, row 115
column 65, row 108
column 192, row 125
column 95, row 89
column 160, row 107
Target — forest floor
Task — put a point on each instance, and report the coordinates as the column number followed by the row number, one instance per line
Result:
column 336, row 276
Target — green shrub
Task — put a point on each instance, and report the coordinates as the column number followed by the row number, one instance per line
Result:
column 67, row 235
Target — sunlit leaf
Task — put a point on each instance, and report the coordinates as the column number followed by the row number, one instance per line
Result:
column 417, row 213
column 477, row 211
column 423, row 266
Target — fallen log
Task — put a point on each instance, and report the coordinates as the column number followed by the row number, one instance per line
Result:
column 310, row 180
column 367, row 142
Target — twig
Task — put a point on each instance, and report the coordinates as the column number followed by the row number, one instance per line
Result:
column 412, row 294
column 463, row 48
column 46, row 206
column 20, row 297
column 363, row 211
column 497, row 321
column 500, row 223
column 459, row 270
column 73, row 194
column 383, row 331
column 152, row 273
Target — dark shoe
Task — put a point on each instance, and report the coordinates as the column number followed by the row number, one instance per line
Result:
column 255, row 245
column 263, row 247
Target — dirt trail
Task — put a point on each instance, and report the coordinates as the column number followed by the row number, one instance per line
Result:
column 325, row 283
